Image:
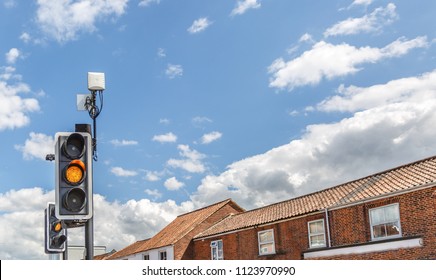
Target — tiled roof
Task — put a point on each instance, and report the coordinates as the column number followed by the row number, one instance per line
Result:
column 174, row 231
column 415, row 174
column 129, row 250
column 181, row 226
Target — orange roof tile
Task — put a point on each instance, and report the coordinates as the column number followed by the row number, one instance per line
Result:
column 404, row 177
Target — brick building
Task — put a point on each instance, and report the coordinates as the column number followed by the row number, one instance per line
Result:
column 388, row 215
column 174, row 242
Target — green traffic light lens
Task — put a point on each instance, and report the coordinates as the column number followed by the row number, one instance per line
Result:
column 75, row 199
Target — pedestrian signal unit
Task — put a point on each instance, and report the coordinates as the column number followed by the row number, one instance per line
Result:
column 55, row 232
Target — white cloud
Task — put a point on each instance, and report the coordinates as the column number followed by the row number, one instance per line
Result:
column 201, row 120
column 369, row 23
column 38, row 146
column 153, row 193
column 353, row 99
column 121, row 172
column 123, row 142
column 161, row 52
column 172, row 184
column 243, row 5
column 25, row 37
column 145, row 3
column 153, row 176
column 164, row 121
column 165, row 138
column 306, row 37
column 13, row 107
column 12, row 55
column 174, row 70
column 329, row 61
column 64, row 20
column 199, row 25
column 211, row 137
column 116, row 225
column 191, row 160
column 362, row 2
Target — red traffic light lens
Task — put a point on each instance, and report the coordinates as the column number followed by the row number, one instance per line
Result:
column 74, row 146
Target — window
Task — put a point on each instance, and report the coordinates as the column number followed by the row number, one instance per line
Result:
column 162, row 255
column 316, row 233
column 216, row 250
column 385, row 221
column 266, row 242
column 146, row 257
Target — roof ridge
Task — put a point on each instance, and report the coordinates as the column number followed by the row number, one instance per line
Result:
column 205, row 207
column 369, row 177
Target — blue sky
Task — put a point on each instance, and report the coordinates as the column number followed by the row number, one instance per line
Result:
column 258, row 101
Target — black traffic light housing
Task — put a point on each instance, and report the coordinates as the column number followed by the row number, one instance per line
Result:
column 55, row 232
column 73, row 191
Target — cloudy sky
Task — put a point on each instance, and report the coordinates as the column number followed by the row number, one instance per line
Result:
column 254, row 100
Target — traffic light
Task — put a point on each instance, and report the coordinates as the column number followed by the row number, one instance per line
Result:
column 55, row 232
column 73, row 160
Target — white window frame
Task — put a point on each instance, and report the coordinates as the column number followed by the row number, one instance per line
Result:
column 312, row 234
column 216, row 250
column 146, row 257
column 260, row 243
column 385, row 222
column 160, row 255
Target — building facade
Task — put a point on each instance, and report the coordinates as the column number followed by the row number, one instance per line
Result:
column 389, row 215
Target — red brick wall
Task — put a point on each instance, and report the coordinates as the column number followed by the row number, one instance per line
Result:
column 348, row 226
column 417, row 218
column 183, row 249
column 290, row 239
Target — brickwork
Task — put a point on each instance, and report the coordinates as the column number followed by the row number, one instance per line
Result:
column 417, row 216
column 348, row 226
column 183, row 249
column 290, row 238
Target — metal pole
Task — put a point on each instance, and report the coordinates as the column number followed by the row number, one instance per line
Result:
column 89, row 230
column 65, row 253
column 89, row 239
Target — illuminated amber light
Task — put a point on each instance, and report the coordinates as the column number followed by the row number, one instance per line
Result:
column 57, row 227
column 75, row 171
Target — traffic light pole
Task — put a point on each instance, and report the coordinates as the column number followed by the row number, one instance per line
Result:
column 65, row 253
column 89, row 239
